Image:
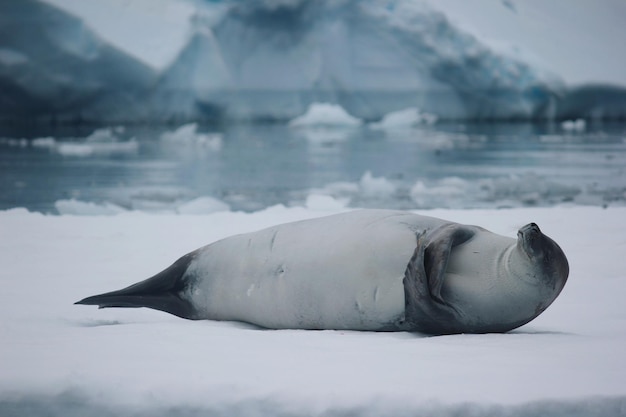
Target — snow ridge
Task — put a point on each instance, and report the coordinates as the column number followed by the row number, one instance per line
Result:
column 74, row 403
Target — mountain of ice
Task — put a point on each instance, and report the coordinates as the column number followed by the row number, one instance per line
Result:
column 270, row 60
column 54, row 68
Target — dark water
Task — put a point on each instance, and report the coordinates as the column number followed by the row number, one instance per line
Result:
column 250, row 167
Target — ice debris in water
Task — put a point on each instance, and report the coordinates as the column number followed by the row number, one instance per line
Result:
column 511, row 191
column 578, row 125
column 404, row 119
column 450, row 192
column 104, row 141
column 325, row 114
column 375, row 187
column 188, row 135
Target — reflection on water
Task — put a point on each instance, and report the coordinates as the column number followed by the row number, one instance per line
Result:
column 250, row 167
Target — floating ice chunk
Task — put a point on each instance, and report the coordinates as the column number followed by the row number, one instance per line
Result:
column 325, row 136
column 325, row 114
column 47, row 142
column 153, row 199
column 405, row 118
column 320, row 202
column 84, row 208
column 578, row 125
column 181, row 134
column 22, row 143
column 101, row 142
column 442, row 193
column 104, row 135
column 187, row 135
column 83, row 149
column 375, row 187
column 527, row 189
column 74, row 149
column 511, row 191
column 202, row 205
column 368, row 191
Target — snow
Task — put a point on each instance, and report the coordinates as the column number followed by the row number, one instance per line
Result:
column 58, row 358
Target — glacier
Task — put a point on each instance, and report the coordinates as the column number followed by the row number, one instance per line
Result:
column 271, row 60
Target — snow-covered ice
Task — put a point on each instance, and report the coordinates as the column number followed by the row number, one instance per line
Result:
column 58, row 359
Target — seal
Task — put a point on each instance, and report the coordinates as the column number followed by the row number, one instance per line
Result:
column 371, row 270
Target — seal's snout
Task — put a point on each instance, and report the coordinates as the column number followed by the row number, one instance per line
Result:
column 529, row 230
column 530, row 238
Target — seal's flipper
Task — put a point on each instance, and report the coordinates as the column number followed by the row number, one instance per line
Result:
column 425, row 312
column 161, row 292
column 440, row 244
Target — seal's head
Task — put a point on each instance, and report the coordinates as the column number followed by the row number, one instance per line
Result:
column 543, row 252
column 548, row 264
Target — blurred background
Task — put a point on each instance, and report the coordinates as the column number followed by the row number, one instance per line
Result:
column 197, row 106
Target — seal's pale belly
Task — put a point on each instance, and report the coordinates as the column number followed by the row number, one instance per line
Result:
column 344, row 274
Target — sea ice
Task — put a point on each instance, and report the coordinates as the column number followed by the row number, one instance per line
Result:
column 58, row 359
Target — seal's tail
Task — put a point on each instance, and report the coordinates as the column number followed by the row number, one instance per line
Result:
column 161, row 292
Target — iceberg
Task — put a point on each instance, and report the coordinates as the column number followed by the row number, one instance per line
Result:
column 271, row 60
column 53, row 68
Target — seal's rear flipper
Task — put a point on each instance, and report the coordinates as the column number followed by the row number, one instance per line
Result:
column 161, row 292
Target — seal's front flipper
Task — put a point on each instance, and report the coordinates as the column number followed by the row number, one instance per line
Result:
column 161, row 292
column 425, row 309
column 440, row 243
